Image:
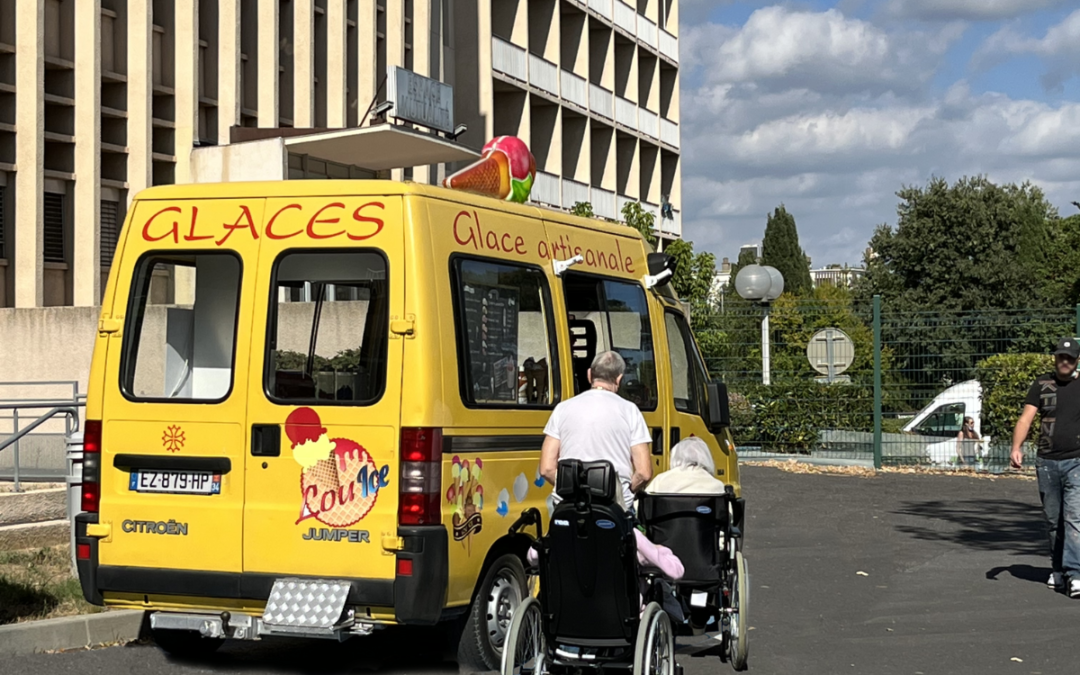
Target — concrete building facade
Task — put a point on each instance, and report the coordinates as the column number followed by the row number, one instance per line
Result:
column 102, row 98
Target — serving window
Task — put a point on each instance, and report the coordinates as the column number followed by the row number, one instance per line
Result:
column 505, row 334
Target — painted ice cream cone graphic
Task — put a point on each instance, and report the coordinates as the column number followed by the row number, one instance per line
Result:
column 506, row 170
column 330, row 481
column 488, row 176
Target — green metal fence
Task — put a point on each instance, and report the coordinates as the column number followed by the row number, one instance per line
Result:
column 903, row 390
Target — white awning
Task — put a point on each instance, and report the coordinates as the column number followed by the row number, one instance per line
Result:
column 379, row 148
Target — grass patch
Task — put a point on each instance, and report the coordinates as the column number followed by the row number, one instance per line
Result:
column 38, row 584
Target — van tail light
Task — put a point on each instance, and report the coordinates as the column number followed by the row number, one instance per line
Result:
column 91, row 478
column 421, row 476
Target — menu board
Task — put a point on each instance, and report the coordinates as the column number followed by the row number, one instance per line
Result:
column 491, row 330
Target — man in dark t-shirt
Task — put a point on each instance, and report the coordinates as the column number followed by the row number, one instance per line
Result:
column 1055, row 397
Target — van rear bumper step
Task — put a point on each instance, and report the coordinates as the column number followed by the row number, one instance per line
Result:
column 240, row 586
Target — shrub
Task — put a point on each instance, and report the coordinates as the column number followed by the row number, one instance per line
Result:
column 1005, row 380
column 788, row 415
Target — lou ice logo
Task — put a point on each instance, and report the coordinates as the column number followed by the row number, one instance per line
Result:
column 340, row 481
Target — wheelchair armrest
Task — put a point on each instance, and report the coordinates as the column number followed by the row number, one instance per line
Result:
column 528, row 517
column 650, row 572
column 736, row 532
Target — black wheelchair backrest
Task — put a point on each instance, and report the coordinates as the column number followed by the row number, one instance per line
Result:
column 588, row 560
column 690, row 525
column 595, row 481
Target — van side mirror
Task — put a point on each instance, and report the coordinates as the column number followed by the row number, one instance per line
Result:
column 718, row 412
column 661, row 269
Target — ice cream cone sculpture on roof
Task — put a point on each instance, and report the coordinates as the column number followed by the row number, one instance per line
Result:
column 506, row 170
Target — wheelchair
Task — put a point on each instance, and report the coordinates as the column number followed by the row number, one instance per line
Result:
column 705, row 532
column 588, row 614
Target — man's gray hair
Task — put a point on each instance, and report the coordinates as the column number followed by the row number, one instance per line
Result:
column 693, row 452
column 608, row 367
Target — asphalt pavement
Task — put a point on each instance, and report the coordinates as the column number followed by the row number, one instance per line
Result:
column 898, row 573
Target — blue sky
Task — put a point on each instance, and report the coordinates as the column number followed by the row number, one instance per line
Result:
column 831, row 107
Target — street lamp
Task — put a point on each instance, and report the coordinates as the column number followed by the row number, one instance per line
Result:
column 761, row 284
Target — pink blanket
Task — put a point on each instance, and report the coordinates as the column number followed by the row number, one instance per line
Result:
column 648, row 553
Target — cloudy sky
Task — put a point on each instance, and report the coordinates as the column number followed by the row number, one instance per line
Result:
column 831, row 107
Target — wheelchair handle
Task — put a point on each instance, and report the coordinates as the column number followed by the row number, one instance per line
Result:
column 529, row 517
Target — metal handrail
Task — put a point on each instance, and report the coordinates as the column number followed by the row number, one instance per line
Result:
column 71, row 423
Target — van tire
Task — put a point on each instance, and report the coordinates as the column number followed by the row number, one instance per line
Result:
column 186, row 643
column 502, row 590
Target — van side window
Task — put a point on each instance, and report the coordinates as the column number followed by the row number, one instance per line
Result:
column 686, row 379
column 180, row 341
column 945, row 422
column 609, row 315
column 506, row 352
column 328, row 328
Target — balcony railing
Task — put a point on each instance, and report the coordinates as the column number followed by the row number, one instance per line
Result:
column 574, row 192
column 669, row 133
column 574, row 89
column 646, row 31
column 543, row 74
column 509, row 59
column 601, row 101
column 649, row 123
column 546, row 189
column 626, row 113
column 603, row 203
column 626, row 17
column 601, row 7
column 669, row 45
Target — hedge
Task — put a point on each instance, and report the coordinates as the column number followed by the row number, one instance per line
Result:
column 1005, row 380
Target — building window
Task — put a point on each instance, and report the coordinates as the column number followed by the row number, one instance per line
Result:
column 54, row 228
column 506, row 339
column 110, row 232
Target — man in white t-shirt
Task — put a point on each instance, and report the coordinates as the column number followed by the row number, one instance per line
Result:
column 600, row 425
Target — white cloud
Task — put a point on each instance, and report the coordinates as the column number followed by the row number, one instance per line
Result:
column 779, row 48
column 832, row 115
column 1059, row 48
column 967, row 10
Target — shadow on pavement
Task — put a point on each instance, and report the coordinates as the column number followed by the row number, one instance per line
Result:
column 984, row 524
column 418, row 651
column 1022, row 572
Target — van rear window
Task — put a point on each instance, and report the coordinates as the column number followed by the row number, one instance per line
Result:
column 329, row 326
column 180, row 341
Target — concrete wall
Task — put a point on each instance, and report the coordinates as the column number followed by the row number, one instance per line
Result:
column 254, row 160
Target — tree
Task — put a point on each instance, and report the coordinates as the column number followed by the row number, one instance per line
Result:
column 984, row 259
column 583, row 209
column 780, row 249
column 970, row 246
column 694, row 272
column 639, row 219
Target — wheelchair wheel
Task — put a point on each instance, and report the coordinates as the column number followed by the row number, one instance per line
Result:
column 654, row 651
column 524, row 649
column 737, row 626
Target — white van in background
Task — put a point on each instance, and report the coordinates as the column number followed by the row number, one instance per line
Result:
column 944, row 418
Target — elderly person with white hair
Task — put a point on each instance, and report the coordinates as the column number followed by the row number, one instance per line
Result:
column 692, row 471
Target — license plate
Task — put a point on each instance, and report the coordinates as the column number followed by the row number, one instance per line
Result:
column 178, row 482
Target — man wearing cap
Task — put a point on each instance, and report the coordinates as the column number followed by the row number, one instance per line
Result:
column 1055, row 397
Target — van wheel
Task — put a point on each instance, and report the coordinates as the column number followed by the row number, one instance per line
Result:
column 488, row 622
column 186, row 643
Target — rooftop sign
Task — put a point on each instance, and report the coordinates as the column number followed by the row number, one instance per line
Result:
column 420, row 100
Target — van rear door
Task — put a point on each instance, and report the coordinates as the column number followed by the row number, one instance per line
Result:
column 175, row 402
column 325, row 383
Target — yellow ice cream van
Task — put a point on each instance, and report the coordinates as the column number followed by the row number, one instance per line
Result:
column 316, row 407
